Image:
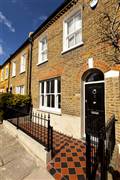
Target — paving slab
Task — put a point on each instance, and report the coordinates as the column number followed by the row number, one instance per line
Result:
column 39, row 174
column 15, row 161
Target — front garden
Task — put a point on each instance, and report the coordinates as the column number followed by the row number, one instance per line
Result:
column 13, row 101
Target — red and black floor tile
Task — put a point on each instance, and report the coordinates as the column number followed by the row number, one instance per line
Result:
column 69, row 162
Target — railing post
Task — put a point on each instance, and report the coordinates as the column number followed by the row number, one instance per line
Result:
column 103, row 160
column 114, row 120
column 51, row 141
column 88, row 158
column 48, row 142
column 102, row 154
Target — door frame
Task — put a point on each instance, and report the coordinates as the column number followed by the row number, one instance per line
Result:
column 83, row 105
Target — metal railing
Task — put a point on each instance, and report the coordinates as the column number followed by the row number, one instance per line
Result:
column 33, row 124
column 110, row 139
column 99, row 151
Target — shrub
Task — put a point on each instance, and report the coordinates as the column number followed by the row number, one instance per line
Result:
column 16, row 100
column 11, row 105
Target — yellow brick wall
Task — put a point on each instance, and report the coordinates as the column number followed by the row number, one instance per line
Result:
column 21, row 78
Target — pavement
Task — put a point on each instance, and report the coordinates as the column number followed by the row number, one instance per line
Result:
column 16, row 163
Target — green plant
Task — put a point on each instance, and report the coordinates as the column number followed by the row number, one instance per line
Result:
column 20, row 100
column 16, row 100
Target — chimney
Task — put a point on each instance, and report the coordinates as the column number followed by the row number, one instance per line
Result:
column 30, row 33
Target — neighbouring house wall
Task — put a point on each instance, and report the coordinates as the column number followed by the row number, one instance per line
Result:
column 4, row 82
column 112, row 91
column 70, row 66
column 20, row 79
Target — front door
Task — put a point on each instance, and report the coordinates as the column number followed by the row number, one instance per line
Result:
column 94, row 107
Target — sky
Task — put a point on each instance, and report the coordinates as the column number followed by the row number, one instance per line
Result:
column 18, row 18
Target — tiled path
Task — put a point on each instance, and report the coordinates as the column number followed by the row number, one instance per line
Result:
column 69, row 160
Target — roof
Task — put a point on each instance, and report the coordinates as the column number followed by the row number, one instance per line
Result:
column 66, row 2
column 12, row 55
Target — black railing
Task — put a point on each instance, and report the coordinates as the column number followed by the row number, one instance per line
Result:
column 99, row 151
column 35, row 125
column 110, row 139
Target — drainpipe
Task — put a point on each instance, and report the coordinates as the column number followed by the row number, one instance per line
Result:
column 30, row 66
column 9, row 76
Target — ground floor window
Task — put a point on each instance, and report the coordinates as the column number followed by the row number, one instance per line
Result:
column 50, row 94
column 20, row 90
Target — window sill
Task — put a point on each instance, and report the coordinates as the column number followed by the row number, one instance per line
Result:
column 50, row 110
column 72, row 48
column 40, row 63
column 22, row 72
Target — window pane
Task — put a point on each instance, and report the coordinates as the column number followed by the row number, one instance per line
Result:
column 22, row 90
column 13, row 69
column 48, row 86
column 42, row 87
column 44, row 56
column 52, row 101
column 48, row 100
column 96, row 76
column 23, row 62
column 42, row 98
column 52, row 86
column 70, row 27
column 59, row 101
column 59, row 86
column 77, row 37
column 6, row 72
column 71, row 41
column 44, row 44
column 77, row 21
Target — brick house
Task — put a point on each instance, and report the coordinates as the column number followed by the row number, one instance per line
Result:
column 19, row 70
column 4, row 77
column 66, row 60
column 15, row 71
column 65, row 53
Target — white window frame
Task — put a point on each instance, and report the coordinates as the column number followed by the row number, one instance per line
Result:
column 55, row 109
column 20, row 89
column 13, row 69
column 23, row 63
column 6, row 72
column 41, row 51
column 71, row 16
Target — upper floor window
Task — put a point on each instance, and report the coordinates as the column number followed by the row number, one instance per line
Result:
column 72, row 36
column 23, row 63
column 42, row 51
column 13, row 69
column 6, row 72
column 20, row 90
column 2, row 74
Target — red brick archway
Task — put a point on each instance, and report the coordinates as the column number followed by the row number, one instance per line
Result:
column 101, row 65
